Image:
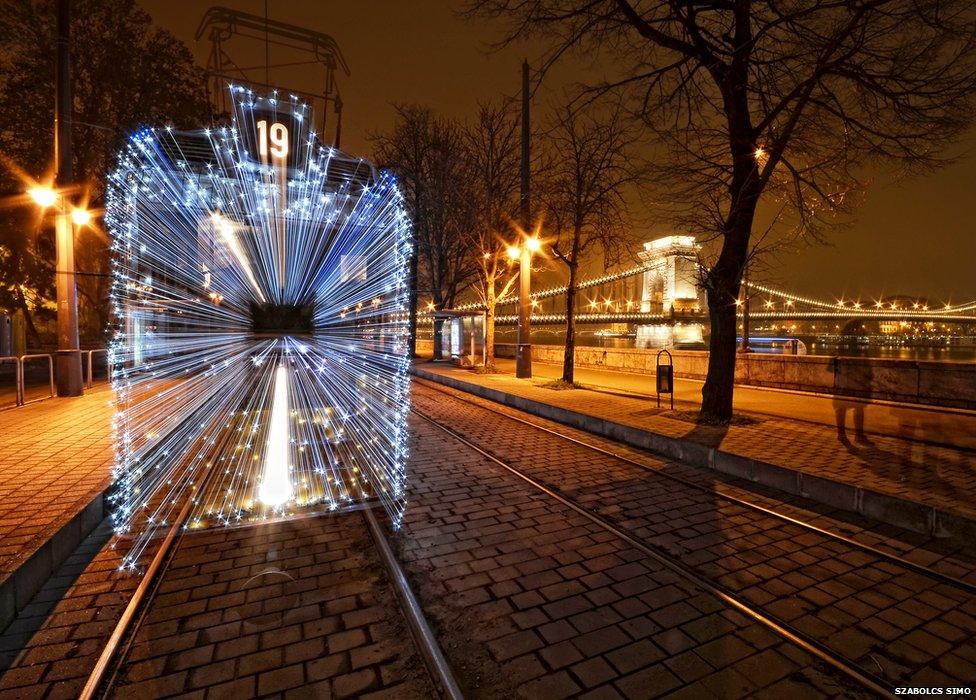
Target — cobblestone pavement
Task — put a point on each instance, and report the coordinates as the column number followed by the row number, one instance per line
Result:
column 915, row 471
column 297, row 608
column 901, row 625
column 527, row 597
column 55, row 457
column 950, row 556
column 50, row 649
column 531, row 599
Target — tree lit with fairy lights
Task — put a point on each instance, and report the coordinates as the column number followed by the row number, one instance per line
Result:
column 259, row 363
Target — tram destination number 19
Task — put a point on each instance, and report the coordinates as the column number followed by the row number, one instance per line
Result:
column 277, row 134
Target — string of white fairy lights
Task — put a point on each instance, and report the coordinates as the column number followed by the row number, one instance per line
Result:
column 244, row 419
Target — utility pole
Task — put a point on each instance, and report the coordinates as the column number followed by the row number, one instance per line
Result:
column 69, row 354
column 523, row 348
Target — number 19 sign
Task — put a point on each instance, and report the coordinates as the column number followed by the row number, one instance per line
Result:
column 277, row 134
column 273, row 131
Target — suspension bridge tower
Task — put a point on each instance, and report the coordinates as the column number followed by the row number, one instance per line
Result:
column 670, row 287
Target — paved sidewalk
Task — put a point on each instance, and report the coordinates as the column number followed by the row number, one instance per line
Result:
column 918, row 485
column 945, row 426
column 55, row 461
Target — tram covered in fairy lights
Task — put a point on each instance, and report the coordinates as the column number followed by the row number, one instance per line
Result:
column 259, row 361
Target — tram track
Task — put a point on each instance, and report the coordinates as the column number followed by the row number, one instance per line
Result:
column 865, row 677
column 103, row 680
column 949, row 579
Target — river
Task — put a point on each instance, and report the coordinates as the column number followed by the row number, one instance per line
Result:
column 553, row 335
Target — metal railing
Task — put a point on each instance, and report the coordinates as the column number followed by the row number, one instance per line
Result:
column 20, row 381
column 50, row 373
column 90, row 378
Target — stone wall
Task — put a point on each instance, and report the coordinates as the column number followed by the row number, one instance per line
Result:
column 940, row 383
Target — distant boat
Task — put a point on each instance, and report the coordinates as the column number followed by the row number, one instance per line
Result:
column 778, row 346
column 607, row 333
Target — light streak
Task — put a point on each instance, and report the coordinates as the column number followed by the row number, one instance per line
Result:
column 276, row 487
column 259, row 356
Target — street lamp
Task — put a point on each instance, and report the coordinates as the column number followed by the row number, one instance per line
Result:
column 44, row 197
column 66, row 217
column 523, row 347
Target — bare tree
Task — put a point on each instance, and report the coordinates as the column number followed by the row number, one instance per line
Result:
column 583, row 198
column 779, row 101
column 426, row 153
column 492, row 149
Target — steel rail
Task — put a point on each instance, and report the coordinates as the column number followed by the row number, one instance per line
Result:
column 837, row 537
column 437, row 665
column 99, row 681
column 147, row 585
column 864, row 678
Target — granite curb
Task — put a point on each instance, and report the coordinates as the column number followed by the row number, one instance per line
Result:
column 19, row 586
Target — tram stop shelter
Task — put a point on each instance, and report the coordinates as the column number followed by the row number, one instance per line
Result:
column 462, row 336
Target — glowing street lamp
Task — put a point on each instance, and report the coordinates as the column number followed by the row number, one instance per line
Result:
column 44, row 197
column 81, row 217
column 69, row 378
column 523, row 347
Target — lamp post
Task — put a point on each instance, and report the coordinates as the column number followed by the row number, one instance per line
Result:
column 523, row 347
column 66, row 217
column 69, row 354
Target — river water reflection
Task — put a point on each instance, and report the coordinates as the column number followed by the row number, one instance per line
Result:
column 556, row 335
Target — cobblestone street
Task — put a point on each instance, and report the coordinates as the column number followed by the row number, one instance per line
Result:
column 648, row 579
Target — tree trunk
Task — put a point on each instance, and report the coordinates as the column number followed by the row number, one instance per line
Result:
column 490, row 327
column 32, row 333
column 412, row 301
column 722, row 289
column 570, row 351
column 717, row 393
